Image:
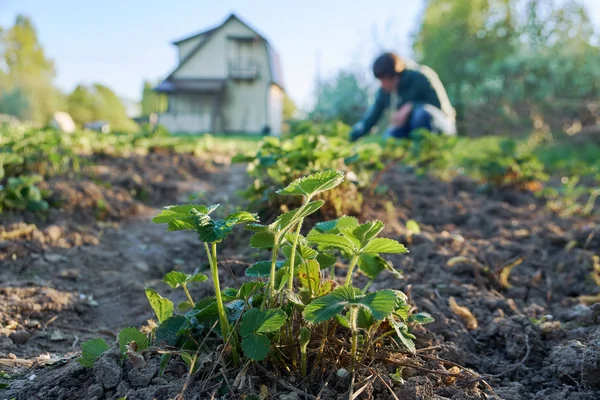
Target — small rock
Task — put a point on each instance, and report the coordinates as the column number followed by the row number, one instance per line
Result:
column 57, row 336
column 54, row 232
column 566, row 360
column 590, row 365
column 95, row 390
column 54, row 257
column 33, row 324
column 20, row 337
column 141, row 266
column 107, row 369
column 71, row 274
column 143, row 376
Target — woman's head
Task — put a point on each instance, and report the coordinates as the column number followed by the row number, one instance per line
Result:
column 387, row 68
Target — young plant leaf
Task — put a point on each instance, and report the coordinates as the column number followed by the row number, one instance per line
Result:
column 167, row 333
column 368, row 231
column 285, row 221
column 163, row 308
column 380, row 304
column 328, row 240
column 384, row 245
column 181, row 216
column 257, row 321
column 263, row 240
column 249, row 289
column 311, row 185
column 309, row 275
column 256, row 346
column 176, row 278
column 371, row 265
column 413, row 226
column 421, row 318
column 334, row 225
column 127, row 335
column 403, row 334
column 91, row 350
column 260, row 269
column 326, row 260
column 326, row 307
column 210, row 231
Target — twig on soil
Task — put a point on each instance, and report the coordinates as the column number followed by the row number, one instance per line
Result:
column 409, row 365
column 284, row 383
column 386, row 385
column 520, row 363
column 51, row 320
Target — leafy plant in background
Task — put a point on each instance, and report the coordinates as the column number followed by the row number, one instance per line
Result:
column 22, row 194
column 511, row 167
column 571, row 198
column 310, row 149
column 291, row 310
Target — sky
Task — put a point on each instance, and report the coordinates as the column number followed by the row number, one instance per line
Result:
column 120, row 43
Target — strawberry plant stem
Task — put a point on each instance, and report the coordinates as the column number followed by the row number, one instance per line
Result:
column 350, row 270
column 225, row 328
column 293, row 257
column 187, row 293
column 354, row 328
column 272, row 275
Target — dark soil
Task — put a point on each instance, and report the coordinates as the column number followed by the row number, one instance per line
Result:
column 72, row 277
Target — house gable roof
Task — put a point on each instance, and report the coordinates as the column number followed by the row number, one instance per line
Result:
column 273, row 57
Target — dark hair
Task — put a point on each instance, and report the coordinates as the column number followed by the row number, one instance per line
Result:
column 387, row 65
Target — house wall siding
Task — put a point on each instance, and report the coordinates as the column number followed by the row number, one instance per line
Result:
column 185, row 48
column 276, row 98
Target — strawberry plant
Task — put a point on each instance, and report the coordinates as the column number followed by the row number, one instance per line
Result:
column 292, row 310
column 278, row 162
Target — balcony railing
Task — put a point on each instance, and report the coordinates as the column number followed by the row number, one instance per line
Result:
column 243, row 70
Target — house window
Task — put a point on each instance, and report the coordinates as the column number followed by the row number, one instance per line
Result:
column 242, row 62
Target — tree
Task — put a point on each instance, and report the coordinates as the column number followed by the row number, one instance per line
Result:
column 343, row 97
column 152, row 102
column 27, row 70
column 524, row 60
column 99, row 103
column 289, row 108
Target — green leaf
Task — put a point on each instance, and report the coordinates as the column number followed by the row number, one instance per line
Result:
column 167, row 332
column 285, row 221
column 314, row 184
column 281, row 278
column 413, row 226
column 371, row 265
column 326, row 307
column 257, row 321
column 333, row 225
column 175, row 279
column 403, row 334
column 421, row 318
column 196, row 278
column 308, row 253
column 184, row 306
column 332, row 240
column 368, row 231
column 250, row 289
column 127, row 335
column 384, row 245
column 172, row 213
column 263, row 240
column 210, row 231
column 380, row 303
column 259, row 270
column 162, row 307
column 91, row 350
column 310, row 268
column 326, row 260
column 256, row 346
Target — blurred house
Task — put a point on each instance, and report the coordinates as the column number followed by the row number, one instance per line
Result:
column 229, row 79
